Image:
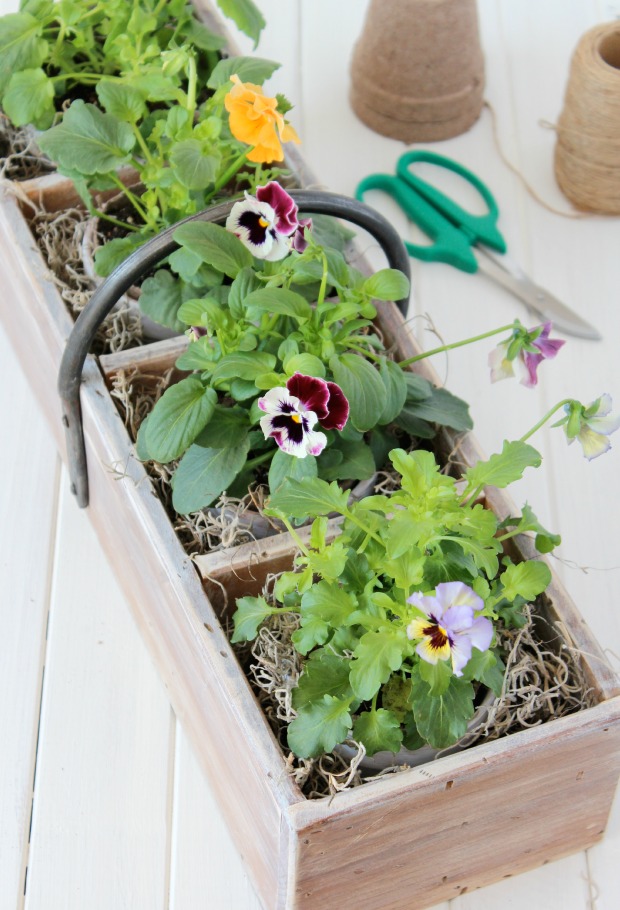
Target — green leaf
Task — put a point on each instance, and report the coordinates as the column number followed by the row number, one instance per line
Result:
column 127, row 102
column 88, row 140
column 287, row 467
column 161, row 298
column 22, row 45
column 307, row 364
column 377, row 655
column 325, row 673
column 407, row 570
column 357, row 462
column 363, row 387
column 483, row 555
column 378, row 730
column 504, row 468
column 214, row 245
column 387, row 284
column 243, row 285
column 418, row 388
column 486, row 667
column 249, row 69
column 328, row 602
column 251, row 612
column 109, row 256
column 243, row 365
column 29, row 98
column 330, row 562
column 444, row 408
column 203, row 37
column 442, row 719
column 319, row 727
column 545, row 541
column 525, row 579
column 194, row 169
column 280, row 300
column 437, row 676
column 178, row 417
column 393, row 379
column 310, row 496
column 204, row 474
column 227, row 427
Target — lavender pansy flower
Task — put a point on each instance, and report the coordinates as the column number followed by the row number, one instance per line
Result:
column 522, row 353
column 291, row 414
column 265, row 222
column 591, row 425
column 451, row 628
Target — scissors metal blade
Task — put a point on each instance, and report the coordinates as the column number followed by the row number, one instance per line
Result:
column 505, row 271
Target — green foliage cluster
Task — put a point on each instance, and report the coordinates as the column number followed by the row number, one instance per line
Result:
column 49, row 50
column 147, row 89
column 265, row 321
column 362, row 676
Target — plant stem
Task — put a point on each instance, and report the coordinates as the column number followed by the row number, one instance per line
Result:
column 116, row 221
column 191, row 87
column 456, row 344
column 227, row 175
column 544, row 419
column 131, row 197
column 258, row 460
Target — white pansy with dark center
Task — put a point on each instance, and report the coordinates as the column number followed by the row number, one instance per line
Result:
column 290, row 423
column 255, row 224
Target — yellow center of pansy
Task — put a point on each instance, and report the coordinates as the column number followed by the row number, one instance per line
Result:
column 263, row 223
column 296, row 418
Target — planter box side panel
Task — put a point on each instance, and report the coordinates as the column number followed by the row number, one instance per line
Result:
column 207, row 689
column 465, row 821
column 34, row 316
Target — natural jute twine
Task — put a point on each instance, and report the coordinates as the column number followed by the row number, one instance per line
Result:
column 587, row 152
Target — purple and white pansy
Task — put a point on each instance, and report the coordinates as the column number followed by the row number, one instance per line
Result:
column 450, row 628
column 292, row 412
column 522, row 353
column 267, row 223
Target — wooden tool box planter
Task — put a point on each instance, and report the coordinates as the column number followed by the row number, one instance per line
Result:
column 405, row 841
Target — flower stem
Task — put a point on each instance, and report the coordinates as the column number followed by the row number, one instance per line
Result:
column 258, row 460
column 544, row 419
column 456, row 344
column 227, row 175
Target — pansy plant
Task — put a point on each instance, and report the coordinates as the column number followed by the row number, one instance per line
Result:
column 288, row 377
column 397, row 614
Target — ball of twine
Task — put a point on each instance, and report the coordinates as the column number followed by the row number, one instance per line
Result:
column 587, row 152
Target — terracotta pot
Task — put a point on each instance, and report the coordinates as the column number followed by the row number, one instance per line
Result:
column 417, row 71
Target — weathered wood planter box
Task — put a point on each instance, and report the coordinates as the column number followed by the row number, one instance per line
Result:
column 407, row 840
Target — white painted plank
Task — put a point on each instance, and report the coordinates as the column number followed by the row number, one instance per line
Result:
column 205, row 861
column 29, row 470
column 101, row 822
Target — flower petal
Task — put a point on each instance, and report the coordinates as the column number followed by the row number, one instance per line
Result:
column 283, row 206
column 312, row 391
column 592, row 443
column 338, row 409
column 457, row 593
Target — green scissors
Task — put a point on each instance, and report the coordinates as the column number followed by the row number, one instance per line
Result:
column 468, row 242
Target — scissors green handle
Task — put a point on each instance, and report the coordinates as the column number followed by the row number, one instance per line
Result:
column 452, row 229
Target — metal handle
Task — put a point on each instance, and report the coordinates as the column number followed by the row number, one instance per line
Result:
column 142, row 261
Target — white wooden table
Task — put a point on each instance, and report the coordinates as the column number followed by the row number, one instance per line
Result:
column 102, row 805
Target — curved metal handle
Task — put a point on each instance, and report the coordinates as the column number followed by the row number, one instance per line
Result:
column 142, row 261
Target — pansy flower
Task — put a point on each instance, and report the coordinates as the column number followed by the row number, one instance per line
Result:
column 292, row 412
column 298, row 239
column 522, row 353
column 255, row 120
column 591, row 425
column 265, row 222
column 450, row 628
